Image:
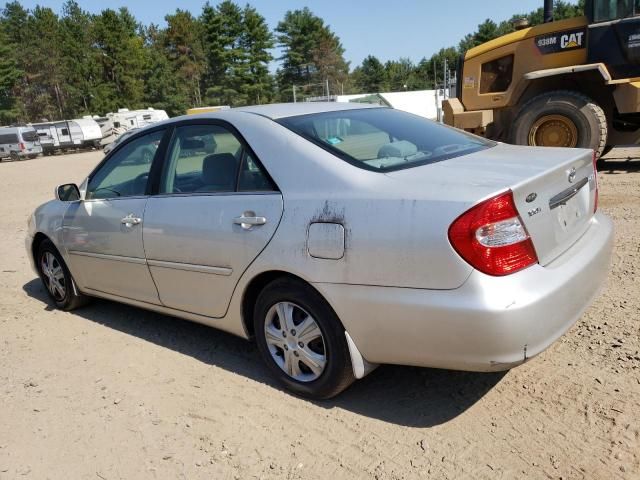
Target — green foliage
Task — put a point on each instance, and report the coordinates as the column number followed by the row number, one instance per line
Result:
column 429, row 73
column 74, row 63
column 10, row 75
column 312, row 55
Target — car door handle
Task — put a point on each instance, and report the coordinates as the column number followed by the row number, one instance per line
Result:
column 249, row 220
column 130, row 220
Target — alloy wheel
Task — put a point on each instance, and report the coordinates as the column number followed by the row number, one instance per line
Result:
column 53, row 276
column 295, row 341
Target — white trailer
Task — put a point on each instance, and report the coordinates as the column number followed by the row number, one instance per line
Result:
column 68, row 134
column 115, row 124
column 85, row 132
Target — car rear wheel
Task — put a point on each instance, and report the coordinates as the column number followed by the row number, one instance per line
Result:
column 57, row 279
column 561, row 119
column 301, row 339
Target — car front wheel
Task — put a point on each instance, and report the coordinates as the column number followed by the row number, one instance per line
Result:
column 57, row 279
column 301, row 340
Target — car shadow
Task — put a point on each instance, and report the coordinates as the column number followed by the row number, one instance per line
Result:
column 618, row 162
column 408, row 396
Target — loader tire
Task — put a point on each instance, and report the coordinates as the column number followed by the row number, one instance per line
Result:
column 561, row 119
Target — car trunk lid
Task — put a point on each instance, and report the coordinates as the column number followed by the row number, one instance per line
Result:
column 554, row 190
column 556, row 205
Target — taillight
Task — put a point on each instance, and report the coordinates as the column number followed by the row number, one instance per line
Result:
column 492, row 238
column 22, row 146
column 595, row 179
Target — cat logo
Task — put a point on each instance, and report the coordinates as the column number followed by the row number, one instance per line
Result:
column 562, row 41
column 573, row 40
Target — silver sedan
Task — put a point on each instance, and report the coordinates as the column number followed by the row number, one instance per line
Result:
column 337, row 236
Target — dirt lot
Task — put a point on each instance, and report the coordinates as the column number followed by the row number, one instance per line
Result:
column 114, row 392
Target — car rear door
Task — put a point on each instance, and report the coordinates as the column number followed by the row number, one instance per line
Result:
column 215, row 211
column 103, row 233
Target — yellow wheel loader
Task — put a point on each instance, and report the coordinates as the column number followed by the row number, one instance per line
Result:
column 570, row 83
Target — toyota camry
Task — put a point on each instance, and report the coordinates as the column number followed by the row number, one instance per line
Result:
column 337, row 237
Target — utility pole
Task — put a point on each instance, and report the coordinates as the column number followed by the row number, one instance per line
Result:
column 435, row 75
column 294, row 94
column 444, row 90
column 327, row 83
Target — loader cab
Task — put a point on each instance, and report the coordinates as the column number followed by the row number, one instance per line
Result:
column 614, row 36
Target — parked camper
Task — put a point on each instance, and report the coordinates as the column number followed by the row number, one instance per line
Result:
column 115, row 124
column 85, row 132
column 19, row 143
column 68, row 134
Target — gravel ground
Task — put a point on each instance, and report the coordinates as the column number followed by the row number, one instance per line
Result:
column 114, row 392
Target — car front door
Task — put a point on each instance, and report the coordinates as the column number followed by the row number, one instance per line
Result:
column 103, row 233
column 215, row 211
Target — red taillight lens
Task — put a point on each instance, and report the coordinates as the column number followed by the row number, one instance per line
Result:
column 492, row 238
column 595, row 179
column 22, row 146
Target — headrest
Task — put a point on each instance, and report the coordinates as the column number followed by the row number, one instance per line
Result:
column 220, row 169
column 399, row 149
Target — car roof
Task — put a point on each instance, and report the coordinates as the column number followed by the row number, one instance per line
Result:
column 283, row 110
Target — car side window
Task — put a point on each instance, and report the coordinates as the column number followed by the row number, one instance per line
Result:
column 126, row 172
column 202, row 159
column 253, row 178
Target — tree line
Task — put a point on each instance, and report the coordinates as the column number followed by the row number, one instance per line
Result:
column 75, row 63
column 403, row 74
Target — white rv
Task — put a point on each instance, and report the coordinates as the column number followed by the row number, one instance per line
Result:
column 19, row 143
column 68, row 134
column 115, row 124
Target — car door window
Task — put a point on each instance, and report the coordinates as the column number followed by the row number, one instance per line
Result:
column 253, row 178
column 202, row 159
column 125, row 174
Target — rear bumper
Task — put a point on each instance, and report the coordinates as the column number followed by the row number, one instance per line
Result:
column 488, row 324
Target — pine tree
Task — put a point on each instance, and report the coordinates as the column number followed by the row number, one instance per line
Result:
column 255, row 41
column 164, row 89
column 184, row 49
column 120, row 51
column 226, row 63
column 79, row 62
column 44, row 92
column 312, row 53
column 9, row 77
column 371, row 76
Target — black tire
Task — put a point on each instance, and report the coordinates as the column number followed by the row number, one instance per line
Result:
column 72, row 297
column 338, row 373
column 587, row 116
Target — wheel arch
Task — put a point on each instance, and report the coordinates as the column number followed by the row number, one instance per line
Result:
column 256, row 285
column 590, row 83
column 38, row 238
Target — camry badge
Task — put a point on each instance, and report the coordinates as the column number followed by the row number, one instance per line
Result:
column 572, row 175
column 531, row 197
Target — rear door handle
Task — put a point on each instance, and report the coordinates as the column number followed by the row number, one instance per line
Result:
column 249, row 220
column 130, row 221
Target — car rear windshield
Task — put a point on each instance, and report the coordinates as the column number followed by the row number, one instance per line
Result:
column 29, row 135
column 383, row 139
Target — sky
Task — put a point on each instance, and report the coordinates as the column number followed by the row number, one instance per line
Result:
column 388, row 29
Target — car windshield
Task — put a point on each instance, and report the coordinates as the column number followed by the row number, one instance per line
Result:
column 383, row 139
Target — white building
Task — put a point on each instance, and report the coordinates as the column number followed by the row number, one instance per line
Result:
column 425, row 103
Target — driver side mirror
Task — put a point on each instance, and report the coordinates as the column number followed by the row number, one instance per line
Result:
column 68, row 192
